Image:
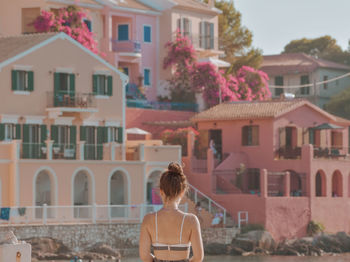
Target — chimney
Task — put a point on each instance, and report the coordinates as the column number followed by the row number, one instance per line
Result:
column 211, row 3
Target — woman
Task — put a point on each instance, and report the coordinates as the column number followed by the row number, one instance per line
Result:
column 170, row 231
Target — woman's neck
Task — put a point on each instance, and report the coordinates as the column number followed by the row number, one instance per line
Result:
column 172, row 205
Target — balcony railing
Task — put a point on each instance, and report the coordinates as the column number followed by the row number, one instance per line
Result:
column 93, row 151
column 71, row 100
column 330, row 152
column 33, row 151
column 129, row 46
column 64, row 151
column 288, row 153
column 206, row 42
column 162, row 105
column 133, row 92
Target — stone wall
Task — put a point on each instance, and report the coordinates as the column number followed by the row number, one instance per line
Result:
column 124, row 237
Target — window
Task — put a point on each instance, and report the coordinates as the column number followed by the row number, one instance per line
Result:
column 250, row 135
column 304, row 80
column 184, row 26
column 88, row 24
column 112, row 134
column 278, row 82
column 325, row 85
column 102, row 85
column 147, row 34
column 126, row 70
column 11, row 131
column 147, row 77
column 123, row 32
column 206, row 35
column 22, row 80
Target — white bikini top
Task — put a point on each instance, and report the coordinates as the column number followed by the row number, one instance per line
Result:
column 174, row 247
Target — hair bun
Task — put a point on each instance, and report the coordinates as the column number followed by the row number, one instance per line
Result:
column 175, row 168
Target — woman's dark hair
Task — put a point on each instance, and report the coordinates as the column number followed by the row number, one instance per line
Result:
column 173, row 181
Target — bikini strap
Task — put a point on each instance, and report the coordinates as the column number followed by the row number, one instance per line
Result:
column 182, row 224
column 156, row 228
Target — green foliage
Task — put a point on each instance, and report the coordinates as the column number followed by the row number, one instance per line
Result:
column 252, row 227
column 235, row 39
column 339, row 104
column 324, row 47
column 314, row 228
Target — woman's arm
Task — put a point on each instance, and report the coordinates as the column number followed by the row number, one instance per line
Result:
column 145, row 241
column 196, row 240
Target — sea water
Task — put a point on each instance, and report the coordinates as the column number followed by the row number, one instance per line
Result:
column 335, row 258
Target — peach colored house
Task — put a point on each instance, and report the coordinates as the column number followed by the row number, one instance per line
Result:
column 62, row 135
column 194, row 19
column 285, row 162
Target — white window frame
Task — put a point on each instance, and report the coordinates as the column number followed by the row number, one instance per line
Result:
column 143, row 36
column 10, row 131
column 105, row 93
column 112, row 134
column 150, row 76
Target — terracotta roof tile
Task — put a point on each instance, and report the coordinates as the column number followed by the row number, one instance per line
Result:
column 134, row 4
column 247, row 110
column 296, row 62
column 11, row 46
column 194, row 4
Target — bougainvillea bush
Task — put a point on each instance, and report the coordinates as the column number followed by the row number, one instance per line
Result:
column 177, row 137
column 192, row 77
column 69, row 20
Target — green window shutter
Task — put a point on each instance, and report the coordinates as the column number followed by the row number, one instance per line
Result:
column 56, row 89
column 110, row 86
column 72, row 85
column 82, row 133
column 94, row 84
column 26, row 146
column 311, row 136
column 2, row 132
column 105, row 134
column 30, row 81
column 18, row 131
column 73, row 135
column 100, row 140
column 211, row 35
column 43, row 133
column 54, row 134
column 120, row 135
column 14, row 80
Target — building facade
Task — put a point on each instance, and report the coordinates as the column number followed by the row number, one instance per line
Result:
column 62, row 132
column 293, row 70
column 284, row 162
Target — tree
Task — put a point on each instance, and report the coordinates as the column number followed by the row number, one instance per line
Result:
column 324, row 47
column 235, row 39
column 339, row 104
column 70, row 21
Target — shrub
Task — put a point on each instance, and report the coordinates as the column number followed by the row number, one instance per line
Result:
column 314, row 228
column 177, row 137
column 252, row 227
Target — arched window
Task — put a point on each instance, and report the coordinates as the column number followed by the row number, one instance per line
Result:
column 82, row 193
column 320, row 184
column 152, row 188
column 43, row 193
column 337, row 184
column 118, row 194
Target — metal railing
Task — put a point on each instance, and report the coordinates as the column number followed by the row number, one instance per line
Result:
column 33, row 151
column 93, row 151
column 47, row 214
column 67, row 99
column 207, row 203
column 64, row 151
column 133, row 92
column 330, row 152
column 128, row 46
column 288, row 152
column 206, row 42
column 162, row 105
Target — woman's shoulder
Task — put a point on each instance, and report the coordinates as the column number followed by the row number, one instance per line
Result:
column 192, row 218
column 148, row 218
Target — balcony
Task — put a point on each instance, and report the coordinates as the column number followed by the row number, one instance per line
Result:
column 288, row 153
column 205, row 43
column 33, row 151
column 64, row 151
column 57, row 103
column 127, row 48
column 138, row 103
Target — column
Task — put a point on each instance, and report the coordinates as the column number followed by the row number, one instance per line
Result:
column 49, row 146
column 263, row 183
column 287, row 184
column 80, row 150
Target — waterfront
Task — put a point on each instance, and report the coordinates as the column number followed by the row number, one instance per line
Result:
column 335, row 258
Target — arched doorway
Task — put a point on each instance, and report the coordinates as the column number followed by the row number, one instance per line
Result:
column 43, row 193
column 82, row 196
column 320, row 184
column 118, row 194
column 152, row 189
column 337, row 184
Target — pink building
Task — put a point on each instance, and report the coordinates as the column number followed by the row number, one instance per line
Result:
column 63, row 152
column 285, row 162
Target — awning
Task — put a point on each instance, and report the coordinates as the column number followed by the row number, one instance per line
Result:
column 327, row 126
column 215, row 61
column 136, row 131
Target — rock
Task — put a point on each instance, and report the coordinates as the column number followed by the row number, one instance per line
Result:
column 344, row 239
column 101, row 248
column 48, row 245
column 216, row 249
column 286, row 251
column 235, row 251
column 329, row 243
column 258, row 238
